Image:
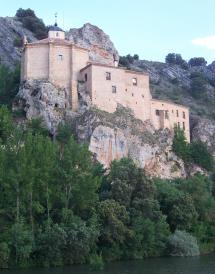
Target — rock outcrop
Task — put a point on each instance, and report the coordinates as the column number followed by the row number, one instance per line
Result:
column 101, row 48
column 11, row 36
column 204, row 130
column 120, row 134
column 40, row 99
column 110, row 135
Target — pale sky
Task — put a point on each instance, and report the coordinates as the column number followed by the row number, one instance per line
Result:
column 150, row 28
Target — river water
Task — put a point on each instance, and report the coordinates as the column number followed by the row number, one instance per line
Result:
column 195, row 265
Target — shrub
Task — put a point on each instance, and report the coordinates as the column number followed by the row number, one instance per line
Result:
column 31, row 22
column 21, row 243
column 197, row 61
column 128, row 59
column 182, row 244
column 180, row 145
column 4, row 255
column 198, row 85
column 96, row 262
column 176, row 59
column 18, row 42
column 9, row 84
column 201, row 155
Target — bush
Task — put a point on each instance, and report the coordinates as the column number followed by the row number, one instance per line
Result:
column 9, row 84
column 198, row 85
column 180, row 145
column 21, row 243
column 182, row 244
column 96, row 262
column 31, row 22
column 197, row 61
column 4, row 255
column 18, row 42
column 201, row 155
column 128, row 59
column 176, row 59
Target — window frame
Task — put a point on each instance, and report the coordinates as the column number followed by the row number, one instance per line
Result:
column 114, row 89
column 157, row 112
column 108, row 75
column 60, row 57
column 85, row 77
column 134, row 81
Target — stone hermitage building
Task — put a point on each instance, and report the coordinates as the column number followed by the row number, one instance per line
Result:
column 64, row 64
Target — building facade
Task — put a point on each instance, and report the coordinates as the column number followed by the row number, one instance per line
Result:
column 57, row 60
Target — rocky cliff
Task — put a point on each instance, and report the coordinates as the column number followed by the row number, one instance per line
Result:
column 101, row 48
column 117, row 135
column 112, row 136
column 11, row 35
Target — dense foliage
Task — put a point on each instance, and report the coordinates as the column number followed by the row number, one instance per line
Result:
column 196, row 152
column 9, row 84
column 198, row 85
column 176, row 59
column 182, row 244
column 31, row 22
column 58, row 207
column 125, row 61
column 197, row 61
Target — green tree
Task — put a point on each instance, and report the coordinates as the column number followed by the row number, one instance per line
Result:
column 78, row 185
column 197, row 61
column 180, row 145
column 201, row 155
column 114, row 220
column 21, row 243
column 9, row 84
column 198, row 86
column 32, row 22
column 182, row 243
column 6, row 125
column 51, row 241
column 4, row 255
column 176, row 205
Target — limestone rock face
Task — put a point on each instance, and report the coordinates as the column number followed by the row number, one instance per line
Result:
column 110, row 135
column 40, row 99
column 204, row 130
column 117, row 135
column 12, row 30
column 93, row 38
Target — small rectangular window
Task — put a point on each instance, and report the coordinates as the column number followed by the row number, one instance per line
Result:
column 134, row 81
column 179, row 124
column 177, row 113
column 108, row 76
column 184, row 115
column 113, row 89
column 85, row 77
column 166, row 114
column 60, row 57
column 157, row 112
column 183, row 125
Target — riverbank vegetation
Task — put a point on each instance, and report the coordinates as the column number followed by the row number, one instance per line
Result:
column 59, row 207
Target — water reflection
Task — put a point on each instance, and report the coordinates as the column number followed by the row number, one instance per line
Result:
column 196, row 265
